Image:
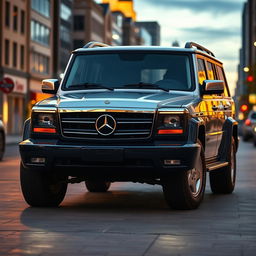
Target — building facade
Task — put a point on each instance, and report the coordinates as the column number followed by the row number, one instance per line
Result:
column 247, row 56
column 88, row 22
column 153, row 29
column 41, row 48
column 14, row 62
column 62, row 36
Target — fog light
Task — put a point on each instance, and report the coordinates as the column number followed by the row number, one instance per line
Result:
column 172, row 162
column 37, row 160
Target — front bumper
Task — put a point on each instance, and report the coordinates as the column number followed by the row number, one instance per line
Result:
column 110, row 160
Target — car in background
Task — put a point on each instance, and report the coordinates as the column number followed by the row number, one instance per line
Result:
column 2, row 139
column 248, row 126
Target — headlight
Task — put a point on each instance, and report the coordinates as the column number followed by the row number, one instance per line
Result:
column 170, row 124
column 44, row 122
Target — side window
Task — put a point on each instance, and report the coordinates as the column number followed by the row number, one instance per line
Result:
column 201, row 71
column 211, row 71
column 222, row 77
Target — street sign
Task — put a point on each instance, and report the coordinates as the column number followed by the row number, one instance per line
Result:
column 6, row 85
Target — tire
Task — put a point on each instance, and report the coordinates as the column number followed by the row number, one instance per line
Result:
column 2, row 146
column 222, row 181
column 97, row 186
column 40, row 188
column 185, row 190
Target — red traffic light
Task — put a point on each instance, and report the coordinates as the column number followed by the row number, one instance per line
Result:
column 244, row 108
column 250, row 79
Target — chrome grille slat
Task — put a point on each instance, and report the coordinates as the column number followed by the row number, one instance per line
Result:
column 139, row 122
column 79, row 122
column 128, row 124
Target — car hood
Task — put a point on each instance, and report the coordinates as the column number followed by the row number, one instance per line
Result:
column 117, row 99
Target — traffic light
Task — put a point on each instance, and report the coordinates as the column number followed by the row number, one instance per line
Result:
column 250, row 79
column 244, row 108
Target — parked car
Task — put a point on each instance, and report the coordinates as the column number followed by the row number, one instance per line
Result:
column 2, row 140
column 248, row 126
column 155, row 115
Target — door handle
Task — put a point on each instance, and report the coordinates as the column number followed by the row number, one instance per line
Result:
column 226, row 107
column 214, row 108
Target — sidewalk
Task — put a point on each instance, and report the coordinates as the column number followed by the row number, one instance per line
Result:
column 13, row 139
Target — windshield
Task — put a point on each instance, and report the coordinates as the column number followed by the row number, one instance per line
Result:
column 130, row 70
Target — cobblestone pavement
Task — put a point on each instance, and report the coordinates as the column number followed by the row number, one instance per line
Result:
column 130, row 220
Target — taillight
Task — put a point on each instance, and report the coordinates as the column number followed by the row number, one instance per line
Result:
column 248, row 122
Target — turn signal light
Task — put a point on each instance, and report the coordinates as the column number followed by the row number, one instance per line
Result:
column 170, row 131
column 45, row 130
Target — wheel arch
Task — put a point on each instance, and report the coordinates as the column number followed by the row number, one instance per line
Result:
column 230, row 131
column 197, row 130
column 26, row 129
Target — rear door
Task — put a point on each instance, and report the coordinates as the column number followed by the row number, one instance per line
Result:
column 207, row 111
column 225, row 106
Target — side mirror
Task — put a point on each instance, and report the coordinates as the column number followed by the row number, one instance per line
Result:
column 213, row 87
column 50, row 86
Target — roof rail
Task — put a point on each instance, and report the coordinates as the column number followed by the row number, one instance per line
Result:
column 199, row 47
column 95, row 44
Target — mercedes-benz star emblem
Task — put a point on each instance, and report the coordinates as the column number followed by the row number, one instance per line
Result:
column 105, row 125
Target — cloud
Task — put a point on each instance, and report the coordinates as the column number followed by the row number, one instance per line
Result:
column 217, row 33
column 215, row 7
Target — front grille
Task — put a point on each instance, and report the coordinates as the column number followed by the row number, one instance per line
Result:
column 128, row 124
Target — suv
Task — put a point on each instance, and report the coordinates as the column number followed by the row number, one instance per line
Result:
column 152, row 115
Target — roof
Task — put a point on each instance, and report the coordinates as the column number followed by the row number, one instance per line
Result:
column 144, row 48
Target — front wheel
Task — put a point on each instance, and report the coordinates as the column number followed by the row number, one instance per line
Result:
column 97, row 186
column 223, row 181
column 185, row 190
column 41, row 188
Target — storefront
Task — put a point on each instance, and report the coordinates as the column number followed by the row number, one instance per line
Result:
column 14, row 105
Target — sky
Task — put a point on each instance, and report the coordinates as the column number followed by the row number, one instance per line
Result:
column 216, row 24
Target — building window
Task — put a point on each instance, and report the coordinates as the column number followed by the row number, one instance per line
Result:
column 14, row 55
column 41, row 6
column 65, row 12
column 40, row 63
column 78, row 22
column 7, row 51
column 40, row 33
column 65, row 34
column 7, row 14
column 22, row 22
column 15, row 18
column 78, row 44
column 22, row 57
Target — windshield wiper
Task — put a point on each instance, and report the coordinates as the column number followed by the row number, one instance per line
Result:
column 146, row 85
column 89, row 85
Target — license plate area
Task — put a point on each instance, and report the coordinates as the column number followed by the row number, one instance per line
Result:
column 103, row 155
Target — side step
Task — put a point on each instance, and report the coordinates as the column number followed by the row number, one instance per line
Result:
column 216, row 165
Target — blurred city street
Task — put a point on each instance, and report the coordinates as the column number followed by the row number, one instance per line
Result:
column 131, row 219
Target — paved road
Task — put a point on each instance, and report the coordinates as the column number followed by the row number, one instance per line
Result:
column 131, row 219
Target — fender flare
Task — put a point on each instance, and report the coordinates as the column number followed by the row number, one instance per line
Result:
column 230, row 130
column 194, row 125
column 26, row 129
